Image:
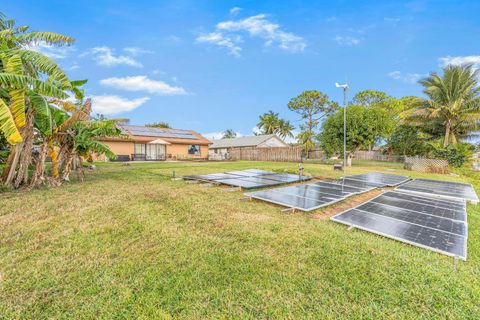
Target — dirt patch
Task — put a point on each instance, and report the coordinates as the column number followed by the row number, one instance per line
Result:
column 350, row 202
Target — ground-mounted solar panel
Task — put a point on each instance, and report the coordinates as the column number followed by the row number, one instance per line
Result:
column 384, row 179
column 308, row 197
column 211, row 177
column 343, row 187
column 438, row 225
column 247, row 179
column 443, row 189
column 362, row 185
column 291, row 200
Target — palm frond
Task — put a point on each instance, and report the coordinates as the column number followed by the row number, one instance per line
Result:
column 43, row 116
column 17, row 106
column 7, row 125
column 45, row 65
column 22, row 82
column 47, row 37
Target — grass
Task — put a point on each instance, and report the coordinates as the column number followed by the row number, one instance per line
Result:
column 131, row 243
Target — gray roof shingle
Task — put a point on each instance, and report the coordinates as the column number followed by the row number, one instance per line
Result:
column 251, row 141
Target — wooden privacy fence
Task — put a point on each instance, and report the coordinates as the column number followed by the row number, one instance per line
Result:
column 284, row 154
column 377, row 156
column 426, row 165
column 359, row 155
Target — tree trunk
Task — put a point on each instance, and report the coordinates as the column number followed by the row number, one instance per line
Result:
column 447, row 133
column 67, row 165
column 26, row 154
column 80, row 172
column 54, row 157
column 38, row 176
column 12, row 167
column 9, row 163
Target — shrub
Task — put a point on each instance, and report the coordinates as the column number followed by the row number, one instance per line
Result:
column 456, row 155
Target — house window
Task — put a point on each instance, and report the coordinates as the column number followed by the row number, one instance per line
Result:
column 194, row 149
column 139, row 148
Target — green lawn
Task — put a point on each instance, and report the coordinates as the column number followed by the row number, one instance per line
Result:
column 131, row 243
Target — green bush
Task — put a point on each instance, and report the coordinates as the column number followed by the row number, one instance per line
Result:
column 456, row 155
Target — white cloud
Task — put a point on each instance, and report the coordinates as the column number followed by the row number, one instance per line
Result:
column 218, row 135
column 408, row 77
column 110, row 104
column 331, row 19
column 51, row 51
column 259, row 26
column 460, row 60
column 226, row 34
column 347, row 41
column 105, row 56
column 221, row 40
column 74, row 67
column 235, row 10
column 143, row 83
column 136, row 51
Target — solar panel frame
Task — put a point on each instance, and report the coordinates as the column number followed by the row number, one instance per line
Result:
column 270, row 196
column 248, row 179
column 386, row 179
column 463, row 256
column 434, row 188
column 315, row 192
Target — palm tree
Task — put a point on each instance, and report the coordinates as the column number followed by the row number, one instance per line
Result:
column 453, row 104
column 285, row 129
column 268, row 123
column 22, row 93
column 271, row 123
column 229, row 134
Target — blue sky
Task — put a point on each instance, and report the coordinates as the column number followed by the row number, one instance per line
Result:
column 214, row 65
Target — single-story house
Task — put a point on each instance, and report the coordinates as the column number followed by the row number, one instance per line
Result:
column 219, row 148
column 147, row 143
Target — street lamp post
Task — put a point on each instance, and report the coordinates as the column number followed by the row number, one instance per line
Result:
column 345, row 91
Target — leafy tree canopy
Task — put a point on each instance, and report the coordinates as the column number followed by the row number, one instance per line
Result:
column 160, row 124
column 408, row 141
column 365, row 126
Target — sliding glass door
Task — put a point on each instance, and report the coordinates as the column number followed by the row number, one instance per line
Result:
column 149, row 151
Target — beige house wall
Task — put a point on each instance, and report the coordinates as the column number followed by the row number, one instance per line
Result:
column 121, row 147
column 180, row 151
column 174, row 151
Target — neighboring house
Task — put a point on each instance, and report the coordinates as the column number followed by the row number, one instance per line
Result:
column 219, row 148
column 146, row 143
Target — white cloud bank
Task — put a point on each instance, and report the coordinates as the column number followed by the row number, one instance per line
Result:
column 226, row 35
column 105, row 56
column 460, row 60
column 219, row 39
column 408, row 77
column 143, row 83
column 111, row 104
column 347, row 41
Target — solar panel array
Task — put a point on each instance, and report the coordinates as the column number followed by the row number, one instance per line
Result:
column 452, row 190
column 159, row 132
column 248, row 179
column 432, row 223
column 323, row 193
